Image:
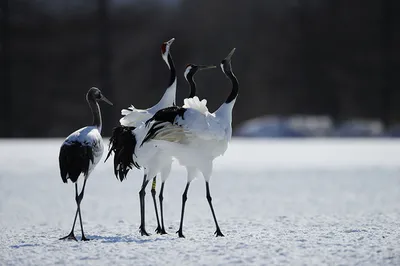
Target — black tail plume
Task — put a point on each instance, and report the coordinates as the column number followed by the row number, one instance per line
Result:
column 122, row 143
column 75, row 158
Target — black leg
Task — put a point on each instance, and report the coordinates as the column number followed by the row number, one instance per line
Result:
column 153, row 194
column 71, row 235
column 184, row 198
column 161, row 198
column 80, row 197
column 142, row 193
column 218, row 231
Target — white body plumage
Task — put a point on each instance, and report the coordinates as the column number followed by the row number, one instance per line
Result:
column 196, row 138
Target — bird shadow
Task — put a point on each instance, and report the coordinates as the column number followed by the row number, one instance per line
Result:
column 106, row 239
column 24, row 245
column 125, row 239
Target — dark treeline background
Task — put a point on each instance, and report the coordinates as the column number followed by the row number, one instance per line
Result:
column 338, row 58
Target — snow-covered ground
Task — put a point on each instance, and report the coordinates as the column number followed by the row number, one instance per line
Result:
column 278, row 202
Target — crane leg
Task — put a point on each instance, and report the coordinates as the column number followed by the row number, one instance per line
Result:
column 71, row 235
column 161, row 198
column 153, row 194
column 142, row 194
column 184, row 198
column 80, row 197
column 209, row 199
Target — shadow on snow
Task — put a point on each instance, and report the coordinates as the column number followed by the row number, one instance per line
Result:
column 125, row 239
column 24, row 245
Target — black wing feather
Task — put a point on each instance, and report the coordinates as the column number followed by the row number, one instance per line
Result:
column 74, row 159
column 122, row 144
column 168, row 114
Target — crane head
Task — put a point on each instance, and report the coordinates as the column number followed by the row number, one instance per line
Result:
column 95, row 94
column 165, row 47
column 192, row 69
column 226, row 63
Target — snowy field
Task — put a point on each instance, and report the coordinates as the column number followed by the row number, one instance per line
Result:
column 278, row 202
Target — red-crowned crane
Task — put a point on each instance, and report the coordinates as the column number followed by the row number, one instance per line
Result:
column 122, row 143
column 80, row 153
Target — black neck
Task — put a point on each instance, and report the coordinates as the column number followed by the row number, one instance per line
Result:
column 94, row 106
column 192, row 85
column 235, row 86
column 172, row 68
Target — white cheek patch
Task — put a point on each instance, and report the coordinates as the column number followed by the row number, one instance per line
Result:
column 165, row 58
column 187, row 71
column 165, row 55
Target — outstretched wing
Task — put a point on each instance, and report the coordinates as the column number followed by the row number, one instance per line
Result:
column 134, row 117
column 203, row 126
column 164, row 118
column 183, row 125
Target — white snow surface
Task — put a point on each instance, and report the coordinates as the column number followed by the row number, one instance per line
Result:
column 278, row 202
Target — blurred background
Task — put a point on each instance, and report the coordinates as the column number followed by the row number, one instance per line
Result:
column 306, row 67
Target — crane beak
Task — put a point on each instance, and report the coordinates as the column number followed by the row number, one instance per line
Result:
column 206, row 67
column 104, row 99
column 168, row 43
column 228, row 58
